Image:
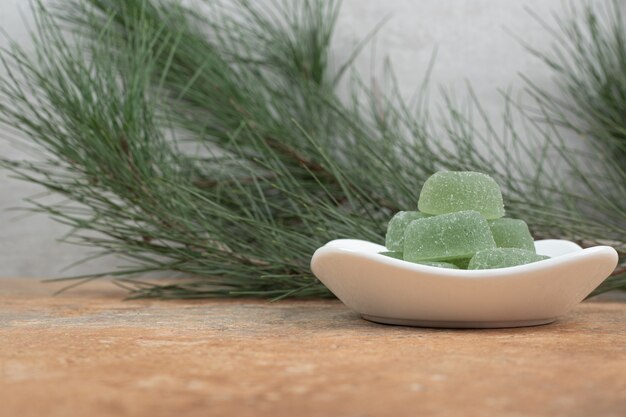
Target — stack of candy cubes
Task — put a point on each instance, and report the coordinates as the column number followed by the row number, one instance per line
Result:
column 460, row 225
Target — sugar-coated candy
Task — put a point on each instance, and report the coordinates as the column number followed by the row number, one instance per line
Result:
column 452, row 191
column 439, row 264
column 393, row 254
column 394, row 241
column 502, row 258
column 511, row 233
column 447, row 236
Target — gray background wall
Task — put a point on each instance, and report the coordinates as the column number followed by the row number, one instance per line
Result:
column 473, row 44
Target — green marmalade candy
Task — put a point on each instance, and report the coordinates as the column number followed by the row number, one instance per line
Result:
column 511, row 233
column 503, row 258
column 394, row 240
column 453, row 191
column 446, row 237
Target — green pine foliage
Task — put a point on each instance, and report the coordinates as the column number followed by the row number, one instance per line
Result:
column 588, row 62
column 213, row 143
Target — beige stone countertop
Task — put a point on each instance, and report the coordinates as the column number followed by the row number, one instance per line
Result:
column 89, row 353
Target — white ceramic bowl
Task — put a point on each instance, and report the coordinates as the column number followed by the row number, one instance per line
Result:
column 392, row 291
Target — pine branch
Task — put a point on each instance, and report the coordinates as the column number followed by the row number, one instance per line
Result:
column 279, row 165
